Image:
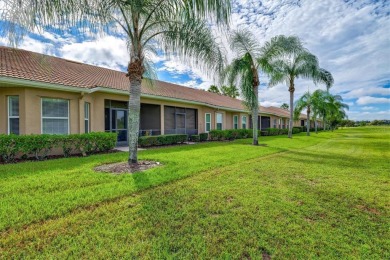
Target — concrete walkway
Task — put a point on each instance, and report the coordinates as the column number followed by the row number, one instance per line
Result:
column 126, row 148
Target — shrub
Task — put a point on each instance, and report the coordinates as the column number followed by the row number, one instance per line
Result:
column 217, row 135
column 146, row 141
column 203, row 137
column 272, row 131
column 231, row 134
column 9, row 147
column 39, row 146
column 296, row 129
column 283, row 131
column 195, row 138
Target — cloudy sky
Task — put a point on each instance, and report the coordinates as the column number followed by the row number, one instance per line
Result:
column 351, row 38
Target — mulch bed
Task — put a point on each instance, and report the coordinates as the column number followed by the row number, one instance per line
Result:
column 124, row 167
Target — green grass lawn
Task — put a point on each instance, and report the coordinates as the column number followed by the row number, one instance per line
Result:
column 324, row 196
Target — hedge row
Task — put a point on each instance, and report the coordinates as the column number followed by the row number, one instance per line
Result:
column 200, row 137
column 274, row 131
column 298, row 129
column 231, row 134
column 146, row 141
column 39, row 146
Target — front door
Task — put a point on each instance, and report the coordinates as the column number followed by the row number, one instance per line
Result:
column 119, row 124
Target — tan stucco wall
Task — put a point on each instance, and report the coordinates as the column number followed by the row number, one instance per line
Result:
column 4, row 93
column 30, row 109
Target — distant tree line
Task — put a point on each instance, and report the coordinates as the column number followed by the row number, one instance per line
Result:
column 352, row 123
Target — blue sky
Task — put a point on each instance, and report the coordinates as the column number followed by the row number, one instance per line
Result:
column 350, row 38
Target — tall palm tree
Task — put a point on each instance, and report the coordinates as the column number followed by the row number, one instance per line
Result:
column 173, row 26
column 244, row 72
column 292, row 61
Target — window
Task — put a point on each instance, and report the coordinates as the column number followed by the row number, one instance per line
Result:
column 280, row 123
column 55, row 116
column 86, row 117
column 274, row 123
column 219, row 121
column 13, row 115
column 235, row 122
column 207, row 122
column 243, row 123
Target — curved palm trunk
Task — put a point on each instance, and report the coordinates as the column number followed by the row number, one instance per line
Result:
column 133, row 118
column 308, row 122
column 255, row 115
column 290, row 125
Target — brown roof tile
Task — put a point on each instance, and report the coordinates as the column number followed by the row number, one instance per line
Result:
column 27, row 65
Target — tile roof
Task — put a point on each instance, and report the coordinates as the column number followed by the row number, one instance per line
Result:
column 27, row 65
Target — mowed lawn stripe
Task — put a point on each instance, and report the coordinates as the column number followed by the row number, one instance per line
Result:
column 321, row 201
column 35, row 191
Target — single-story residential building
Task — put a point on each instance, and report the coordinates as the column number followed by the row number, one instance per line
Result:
column 50, row 95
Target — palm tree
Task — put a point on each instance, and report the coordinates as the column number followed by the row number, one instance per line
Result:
column 319, row 101
column 336, row 110
column 173, row 26
column 243, row 71
column 214, row 89
column 313, row 102
column 230, row 91
column 303, row 102
column 285, row 106
column 292, row 61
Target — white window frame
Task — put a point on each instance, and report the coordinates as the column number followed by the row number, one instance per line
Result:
column 87, row 104
column 242, row 122
column 42, row 117
column 216, row 121
column 235, row 116
column 11, row 117
column 205, row 122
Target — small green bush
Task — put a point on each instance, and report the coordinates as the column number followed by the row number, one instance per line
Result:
column 217, row 135
column 283, row 131
column 146, row 141
column 203, row 137
column 9, row 147
column 272, row 131
column 195, row 138
column 296, row 129
column 39, row 146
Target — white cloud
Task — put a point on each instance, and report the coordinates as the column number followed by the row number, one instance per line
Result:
column 380, row 115
column 372, row 100
column 107, row 51
column 368, row 108
column 356, row 93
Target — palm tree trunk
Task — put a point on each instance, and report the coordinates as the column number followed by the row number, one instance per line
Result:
column 315, row 124
column 255, row 116
column 308, row 122
column 133, row 118
column 323, row 124
column 291, row 89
